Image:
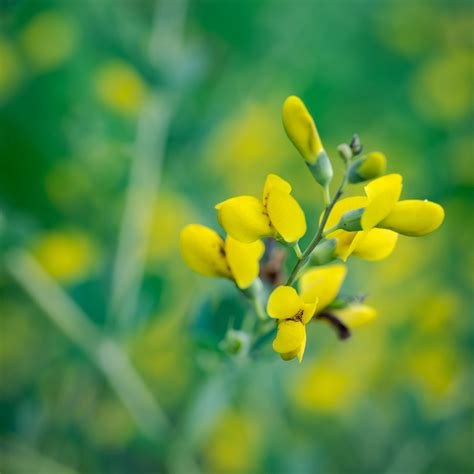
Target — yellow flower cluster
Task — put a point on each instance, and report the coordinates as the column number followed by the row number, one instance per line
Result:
column 364, row 226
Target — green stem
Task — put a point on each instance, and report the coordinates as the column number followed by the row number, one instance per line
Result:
column 300, row 264
column 254, row 295
column 331, row 229
column 296, row 248
column 326, row 195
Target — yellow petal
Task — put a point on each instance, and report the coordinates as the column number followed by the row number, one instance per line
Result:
column 244, row 218
column 243, row 260
column 355, row 315
column 414, row 218
column 300, row 128
column 298, row 352
column 378, row 244
column 383, row 193
column 286, row 215
column 357, row 241
column 309, row 309
column 322, row 283
column 284, row 302
column 290, row 336
column 203, row 250
column 344, row 241
column 340, row 208
column 275, row 182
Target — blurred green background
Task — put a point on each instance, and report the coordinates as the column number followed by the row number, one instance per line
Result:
column 123, row 120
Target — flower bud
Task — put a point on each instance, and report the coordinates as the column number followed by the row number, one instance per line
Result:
column 236, row 343
column 324, row 252
column 367, row 167
column 301, row 130
column 350, row 221
column 345, row 152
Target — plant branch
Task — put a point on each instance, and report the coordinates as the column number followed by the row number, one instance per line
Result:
column 319, row 234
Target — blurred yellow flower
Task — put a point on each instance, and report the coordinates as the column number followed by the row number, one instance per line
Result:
column 244, row 143
column 277, row 214
column 110, row 424
column 292, row 314
column 233, row 445
column 206, row 253
column 48, row 39
column 433, row 370
column 355, row 315
column 170, row 214
column 160, row 348
column 10, row 69
column 119, row 86
column 67, row 255
column 325, row 388
column 442, row 88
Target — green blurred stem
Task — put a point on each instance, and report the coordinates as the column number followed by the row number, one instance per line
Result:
column 103, row 351
column 137, row 218
column 165, row 54
column 301, row 263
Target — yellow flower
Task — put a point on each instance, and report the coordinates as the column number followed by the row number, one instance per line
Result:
column 10, row 69
column 69, row 256
column 119, row 86
column 301, row 130
column 322, row 284
column 293, row 314
column 49, row 39
column 206, row 253
column 277, row 214
column 355, row 315
column 382, row 217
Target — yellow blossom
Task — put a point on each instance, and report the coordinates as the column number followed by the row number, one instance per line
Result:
column 10, row 69
column 382, row 217
column 206, row 253
column 49, row 39
column 322, row 283
column 68, row 256
column 355, row 315
column 293, row 314
column 119, row 86
column 277, row 214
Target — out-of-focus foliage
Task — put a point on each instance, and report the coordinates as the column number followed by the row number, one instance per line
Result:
column 76, row 78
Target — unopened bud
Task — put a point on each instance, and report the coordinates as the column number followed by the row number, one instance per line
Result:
column 356, row 145
column 350, row 221
column 300, row 128
column 367, row 167
column 324, row 252
column 345, row 152
column 236, row 342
